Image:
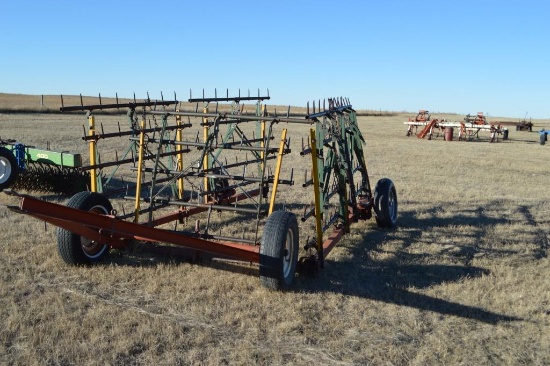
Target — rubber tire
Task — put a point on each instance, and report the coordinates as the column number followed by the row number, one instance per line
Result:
column 277, row 257
column 8, row 168
column 72, row 247
column 385, row 203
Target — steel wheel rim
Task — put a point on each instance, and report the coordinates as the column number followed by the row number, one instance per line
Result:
column 91, row 248
column 5, row 170
column 288, row 253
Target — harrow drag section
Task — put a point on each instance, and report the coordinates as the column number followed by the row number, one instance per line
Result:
column 221, row 162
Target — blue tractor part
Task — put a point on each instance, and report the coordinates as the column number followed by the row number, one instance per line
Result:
column 543, row 136
column 19, row 152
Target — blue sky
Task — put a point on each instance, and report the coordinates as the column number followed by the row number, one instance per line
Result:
column 444, row 56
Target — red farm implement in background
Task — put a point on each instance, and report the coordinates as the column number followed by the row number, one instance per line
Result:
column 211, row 161
column 467, row 130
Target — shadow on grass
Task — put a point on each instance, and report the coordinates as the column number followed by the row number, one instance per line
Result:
column 395, row 280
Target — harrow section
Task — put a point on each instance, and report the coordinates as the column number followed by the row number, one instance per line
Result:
column 218, row 160
column 467, row 130
column 40, row 170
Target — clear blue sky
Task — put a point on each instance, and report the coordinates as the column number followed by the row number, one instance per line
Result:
column 447, row 56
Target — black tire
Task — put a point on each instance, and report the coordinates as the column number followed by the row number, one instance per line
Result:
column 8, row 168
column 279, row 250
column 73, row 248
column 542, row 138
column 385, row 203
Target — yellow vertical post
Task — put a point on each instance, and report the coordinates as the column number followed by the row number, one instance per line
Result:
column 277, row 171
column 179, row 161
column 206, row 160
column 93, row 154
column 317, row 194
column 139, row 172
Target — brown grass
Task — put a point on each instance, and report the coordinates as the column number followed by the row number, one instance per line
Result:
column 462, row 280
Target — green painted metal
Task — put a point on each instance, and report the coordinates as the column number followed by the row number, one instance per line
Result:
column 62, row 159
column 339, row 146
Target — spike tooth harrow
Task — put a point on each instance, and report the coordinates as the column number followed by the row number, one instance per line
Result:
column 337, row 183
column 44, row 170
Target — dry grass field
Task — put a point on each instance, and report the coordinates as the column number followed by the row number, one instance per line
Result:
column 462, row 280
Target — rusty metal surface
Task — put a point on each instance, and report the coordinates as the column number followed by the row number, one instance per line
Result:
column 108, row 229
